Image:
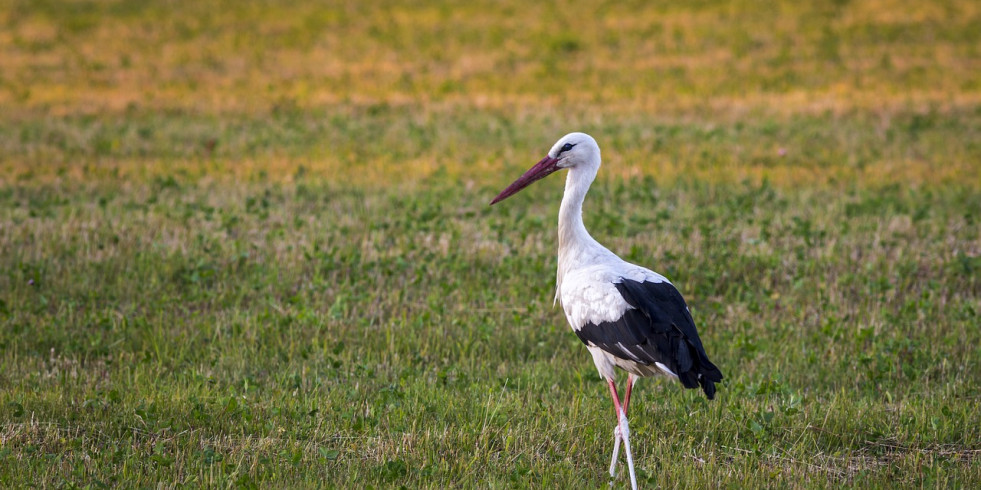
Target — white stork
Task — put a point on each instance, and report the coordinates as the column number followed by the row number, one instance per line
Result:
column 628, row 316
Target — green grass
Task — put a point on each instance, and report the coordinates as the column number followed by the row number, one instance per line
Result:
column 250, row 245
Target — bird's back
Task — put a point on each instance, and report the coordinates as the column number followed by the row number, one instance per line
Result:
column 638, row 320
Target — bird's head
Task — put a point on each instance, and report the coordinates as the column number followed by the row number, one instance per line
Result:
column 574, row 150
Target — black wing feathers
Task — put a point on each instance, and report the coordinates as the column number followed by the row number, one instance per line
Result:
column 659, row 328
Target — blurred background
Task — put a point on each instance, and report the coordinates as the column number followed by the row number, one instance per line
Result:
column 369, row 85
column 248, row 243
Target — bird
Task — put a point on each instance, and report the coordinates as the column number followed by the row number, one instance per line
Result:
column 630, row 317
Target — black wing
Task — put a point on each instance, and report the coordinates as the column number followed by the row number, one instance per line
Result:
column 659, row 328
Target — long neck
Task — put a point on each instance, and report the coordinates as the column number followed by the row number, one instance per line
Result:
column 573, row 237
column 571, row 227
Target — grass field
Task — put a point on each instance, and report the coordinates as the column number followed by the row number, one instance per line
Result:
column 248, row 244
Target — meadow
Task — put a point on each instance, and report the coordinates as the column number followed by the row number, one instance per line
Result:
column 249, row 244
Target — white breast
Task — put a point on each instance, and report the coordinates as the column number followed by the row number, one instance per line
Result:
column 589, row 294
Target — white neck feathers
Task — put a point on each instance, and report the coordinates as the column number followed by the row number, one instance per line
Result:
column 576, row 246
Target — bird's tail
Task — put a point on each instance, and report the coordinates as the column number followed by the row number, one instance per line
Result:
column 700, row 372
column 708, row 375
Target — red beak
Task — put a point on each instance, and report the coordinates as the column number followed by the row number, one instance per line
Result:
column 542, row 169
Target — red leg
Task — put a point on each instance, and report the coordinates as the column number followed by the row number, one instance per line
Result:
column 626, row 398
column 616, row 398
column 622, row 432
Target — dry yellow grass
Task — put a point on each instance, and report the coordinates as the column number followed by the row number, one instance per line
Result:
column 777, row 58
column 570, row 66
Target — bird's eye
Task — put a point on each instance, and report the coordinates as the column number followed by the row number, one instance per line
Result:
column 566, row 147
